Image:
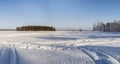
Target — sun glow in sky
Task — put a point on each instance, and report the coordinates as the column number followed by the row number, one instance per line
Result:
column 58, row 13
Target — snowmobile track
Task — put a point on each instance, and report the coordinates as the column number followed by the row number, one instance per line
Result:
column 99, row 56
column 8, row 55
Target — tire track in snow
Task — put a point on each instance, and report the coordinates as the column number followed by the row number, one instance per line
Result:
column 99, row 56
column 8, row 55
column 89, row 56
column 86, row 55
column 110, row 57
column 13, row 55
column 4, row 55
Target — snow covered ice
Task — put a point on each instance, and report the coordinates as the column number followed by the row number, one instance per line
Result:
column 59, row 47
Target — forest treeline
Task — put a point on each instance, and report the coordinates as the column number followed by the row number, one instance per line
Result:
column 108, row 27
column 35, row 28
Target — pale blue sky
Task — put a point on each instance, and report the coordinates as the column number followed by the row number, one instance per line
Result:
column 58, row 13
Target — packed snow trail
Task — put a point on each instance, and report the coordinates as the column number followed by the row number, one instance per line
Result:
column 7, row 55
column 99, row 56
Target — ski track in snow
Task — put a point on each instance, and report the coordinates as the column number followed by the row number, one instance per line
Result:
column 99, row 56
column 8, row 55
column 45, row 48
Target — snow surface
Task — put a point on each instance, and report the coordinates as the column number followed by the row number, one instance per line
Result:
column 59, row 47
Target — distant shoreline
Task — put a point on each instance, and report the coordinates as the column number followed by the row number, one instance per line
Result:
column 56, row 30
column 7, row 29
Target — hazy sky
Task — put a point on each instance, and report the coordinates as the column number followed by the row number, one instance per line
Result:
column 57, row 13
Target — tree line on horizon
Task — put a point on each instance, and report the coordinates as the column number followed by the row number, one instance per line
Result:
column 35, row 28
column 107, row 27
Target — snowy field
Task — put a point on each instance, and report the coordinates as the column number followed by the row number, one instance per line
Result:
column 60, row 47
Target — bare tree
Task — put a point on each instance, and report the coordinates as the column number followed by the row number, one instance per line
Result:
column 110, row 26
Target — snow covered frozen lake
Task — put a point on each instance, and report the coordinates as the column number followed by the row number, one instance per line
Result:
column 59, row 47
